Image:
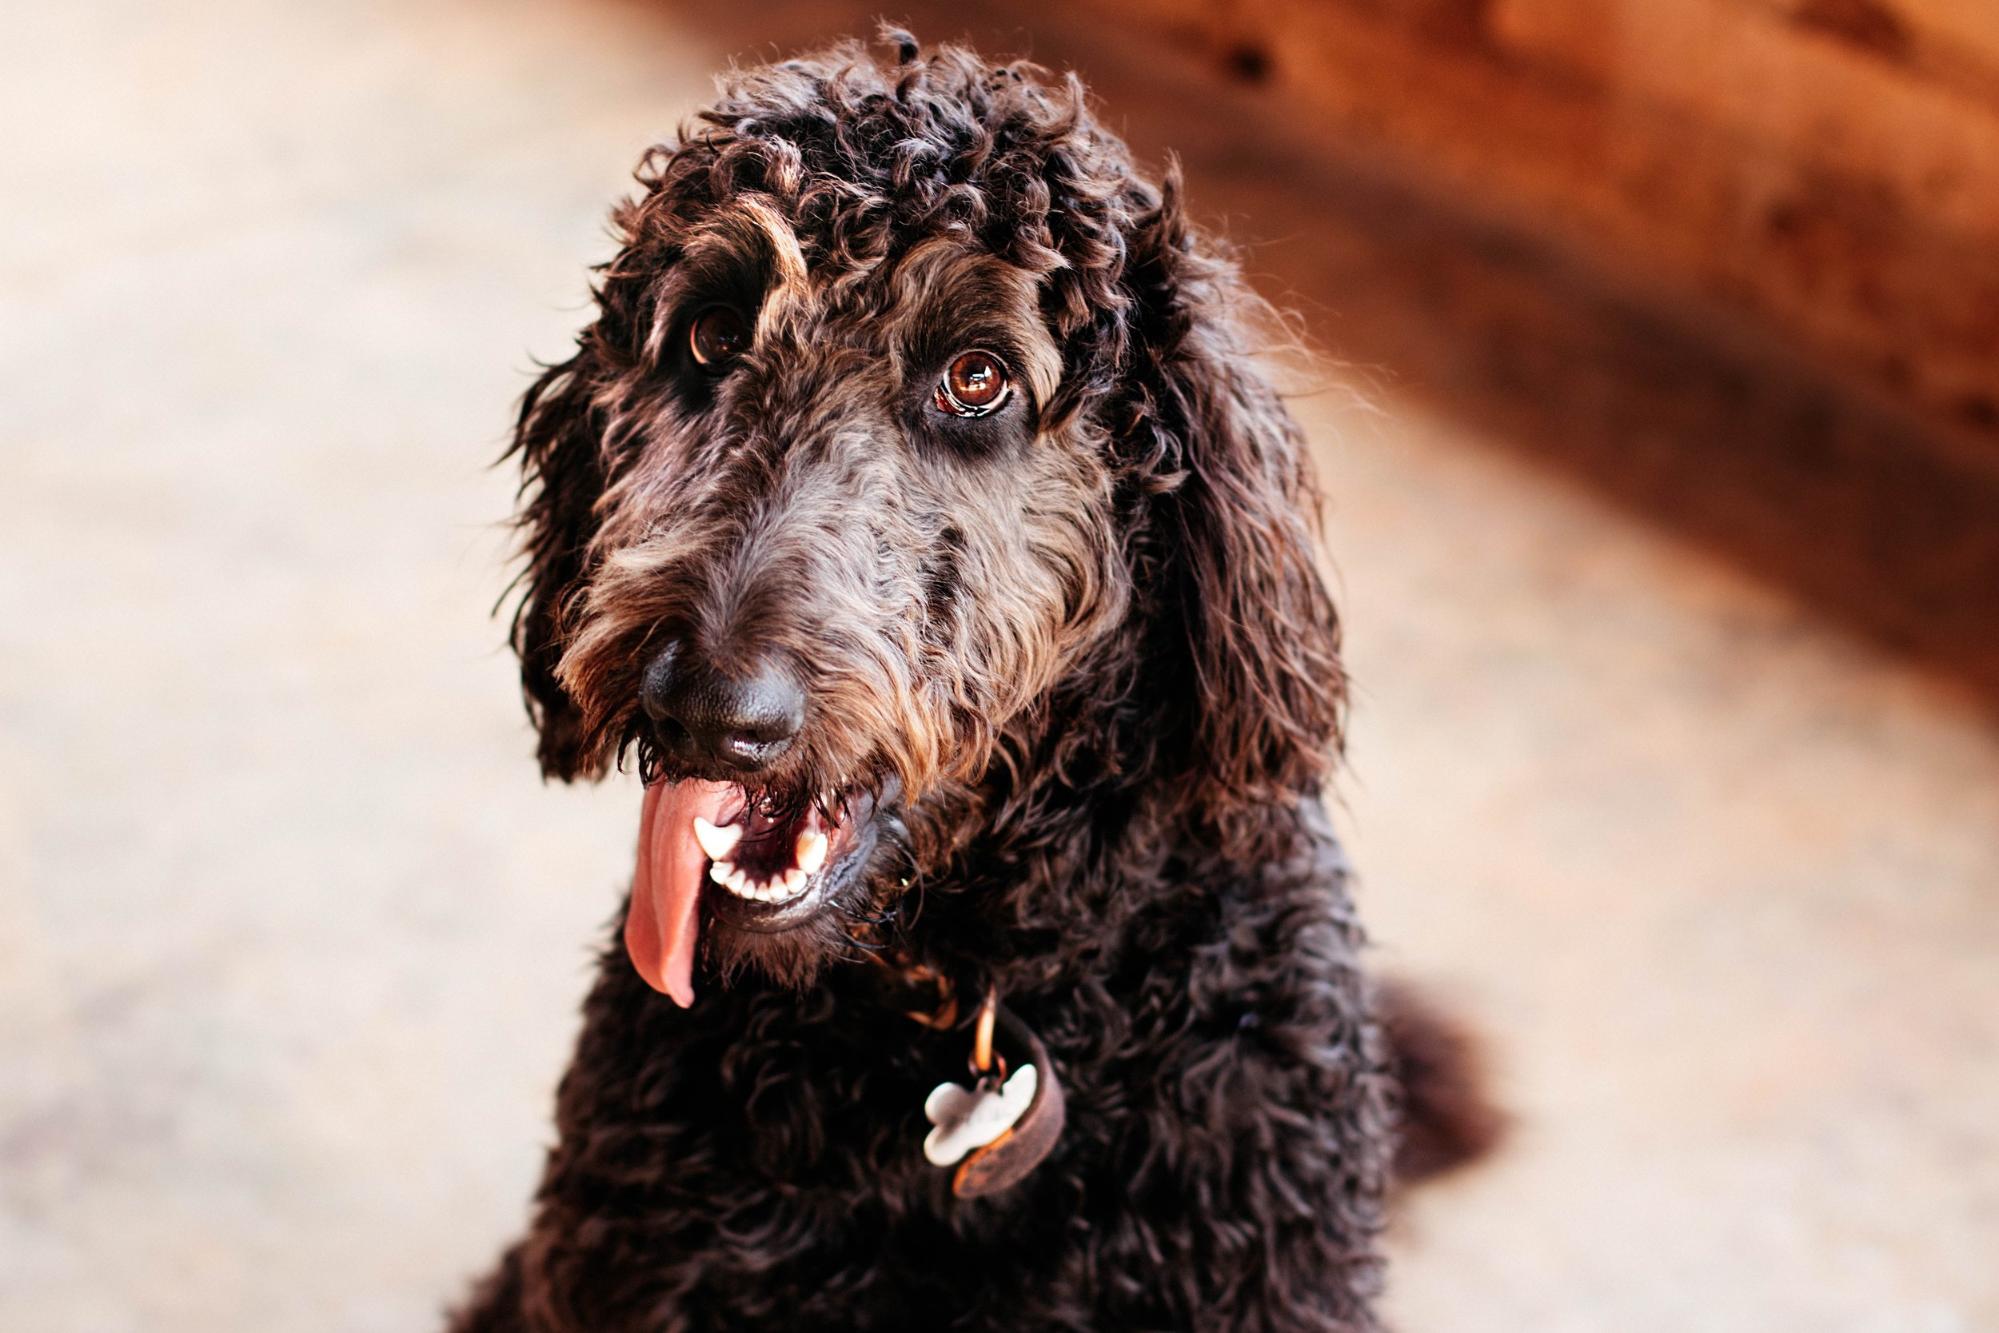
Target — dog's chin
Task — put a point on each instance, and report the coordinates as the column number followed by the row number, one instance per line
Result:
column 792, row 957
column 733, row 878
column 790, row 942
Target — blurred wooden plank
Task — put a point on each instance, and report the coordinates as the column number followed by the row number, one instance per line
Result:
column 1970, row 26
column 1798, row 93
column 1836, row 193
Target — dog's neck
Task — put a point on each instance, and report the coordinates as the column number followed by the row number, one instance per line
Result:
column 1082, row 823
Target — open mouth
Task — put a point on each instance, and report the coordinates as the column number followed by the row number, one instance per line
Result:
column 707, row 849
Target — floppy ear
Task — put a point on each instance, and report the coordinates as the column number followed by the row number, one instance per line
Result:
column 1241, row 604
column 562, row 476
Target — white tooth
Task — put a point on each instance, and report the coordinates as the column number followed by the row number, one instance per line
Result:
column 794, row 880
column 810, row 851
column 737, row 879
column 719, row 872
column 766, row 892
column 718, row 840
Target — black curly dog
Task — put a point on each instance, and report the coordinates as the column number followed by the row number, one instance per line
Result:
column 915, row 518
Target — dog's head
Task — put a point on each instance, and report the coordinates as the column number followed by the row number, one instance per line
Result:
column 913, row 459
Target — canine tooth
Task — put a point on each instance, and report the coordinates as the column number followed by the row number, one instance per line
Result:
column 794, row 880
column 718, row 840
column 720, row 872
column 810, row 851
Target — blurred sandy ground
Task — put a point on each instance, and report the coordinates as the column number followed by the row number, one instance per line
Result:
column 291, row 937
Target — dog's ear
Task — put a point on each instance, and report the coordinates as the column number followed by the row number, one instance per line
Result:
column 1241, row 604
column 557, row 442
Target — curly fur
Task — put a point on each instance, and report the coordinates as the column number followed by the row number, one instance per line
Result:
column 1084, row 659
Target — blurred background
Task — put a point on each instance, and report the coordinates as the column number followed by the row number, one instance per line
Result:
column 1660, row 427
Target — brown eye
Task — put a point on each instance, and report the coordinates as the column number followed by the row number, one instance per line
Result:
column 974, row 384
column 717, row 337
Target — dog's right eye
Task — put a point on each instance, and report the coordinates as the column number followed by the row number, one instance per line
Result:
column 717, row 336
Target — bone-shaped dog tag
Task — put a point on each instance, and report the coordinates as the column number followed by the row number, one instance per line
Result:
column 967, row 1118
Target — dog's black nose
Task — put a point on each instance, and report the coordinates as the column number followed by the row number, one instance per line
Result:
column 703, row 716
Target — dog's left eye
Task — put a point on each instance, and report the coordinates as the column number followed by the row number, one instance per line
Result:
column 717, row 336
column 975, row 384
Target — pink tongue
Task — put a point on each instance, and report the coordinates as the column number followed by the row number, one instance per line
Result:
column 662, row 927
